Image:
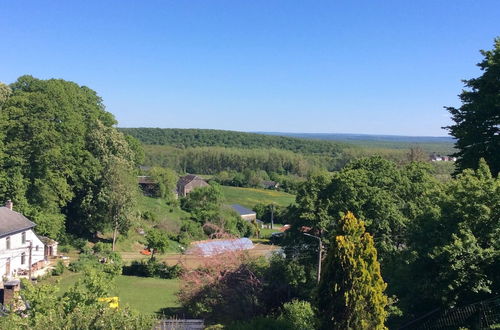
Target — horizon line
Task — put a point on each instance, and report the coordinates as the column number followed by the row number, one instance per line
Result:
column 307, row 133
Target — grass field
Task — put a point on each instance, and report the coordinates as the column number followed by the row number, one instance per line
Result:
column 146, row 295
column 248, row 197
column 165, row 217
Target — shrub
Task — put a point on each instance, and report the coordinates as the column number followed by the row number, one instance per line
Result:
column 59, row 268
column 190, row 231
column 152, row 268
column 79, row 243
column 299, row 314
column 150, row 216
column 99, row 257
column 101, row 247
column 63, row 248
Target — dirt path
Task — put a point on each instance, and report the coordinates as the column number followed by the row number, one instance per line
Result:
column 192, row 261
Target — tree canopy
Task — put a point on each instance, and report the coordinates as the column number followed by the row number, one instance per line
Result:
column 477, row 121
column 57, row 143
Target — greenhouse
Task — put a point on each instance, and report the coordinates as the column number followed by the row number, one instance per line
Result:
column 214, row 247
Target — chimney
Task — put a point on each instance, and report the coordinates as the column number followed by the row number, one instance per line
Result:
column 9, row 204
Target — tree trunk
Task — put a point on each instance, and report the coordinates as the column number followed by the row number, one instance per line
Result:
column 115, row 233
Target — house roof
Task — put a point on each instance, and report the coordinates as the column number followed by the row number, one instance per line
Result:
column 47, row 241
column 12, row 221
column 242, row 210
column 184, row 180
column 267, row 183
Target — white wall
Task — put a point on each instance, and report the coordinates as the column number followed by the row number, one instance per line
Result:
column 15, row 251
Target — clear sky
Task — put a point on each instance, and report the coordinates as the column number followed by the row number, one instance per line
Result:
column 380, row 67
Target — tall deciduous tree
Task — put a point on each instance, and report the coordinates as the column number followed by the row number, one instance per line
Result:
column 56, row 138
column 477, row 121
column 351, row 291
column 119, row 194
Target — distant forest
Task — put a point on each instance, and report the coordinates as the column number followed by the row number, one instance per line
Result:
column 206, row 151
column 185, row 138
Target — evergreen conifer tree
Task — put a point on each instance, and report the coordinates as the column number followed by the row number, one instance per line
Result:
column 477, row 121
column 351, row 291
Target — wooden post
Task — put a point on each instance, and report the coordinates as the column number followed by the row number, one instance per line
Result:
column 319, row 259
column 320, row 247
column 272, row 216
column 29, row 261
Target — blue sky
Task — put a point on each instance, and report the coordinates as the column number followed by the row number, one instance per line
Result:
column 379, row 67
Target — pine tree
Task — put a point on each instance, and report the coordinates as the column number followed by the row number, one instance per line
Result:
column 477, row 121
column 351, row 291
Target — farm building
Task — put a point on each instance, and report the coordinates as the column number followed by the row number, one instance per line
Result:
column 247, row 214
column 270, row 184
column 148, row 186
column 187, row 183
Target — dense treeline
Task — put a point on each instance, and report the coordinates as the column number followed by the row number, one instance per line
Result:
column 185, row 138
column 211, row 160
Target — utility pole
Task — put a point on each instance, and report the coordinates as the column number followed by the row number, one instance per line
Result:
column 319, row 254
column 29, row 260
column 272, row 216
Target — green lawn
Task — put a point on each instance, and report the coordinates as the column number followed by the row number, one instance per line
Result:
column 146, row 295
column 266, row 232
column 248, row 197
column 165, row 215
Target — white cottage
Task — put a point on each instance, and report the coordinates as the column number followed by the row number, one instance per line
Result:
column 17, row 238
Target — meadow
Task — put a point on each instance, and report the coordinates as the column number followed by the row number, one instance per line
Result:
column 144, row 294
column 248, row 197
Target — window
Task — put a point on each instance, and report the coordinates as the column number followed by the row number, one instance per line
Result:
column 36, row 248
column 23, row 258
column 7, row 243
column 23, row 236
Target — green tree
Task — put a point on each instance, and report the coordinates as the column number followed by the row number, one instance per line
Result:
column 417, row 154
column 453, row 251
column 5, row 92
column 119, row 195
column 167, row 181
column 110, row 186
column 477, row 121
column 137, row 150
column 204, row 203
column 56, row 139
column 351, row 291
column 156, row 241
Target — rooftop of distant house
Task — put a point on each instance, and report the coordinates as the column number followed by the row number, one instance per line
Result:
column 269, row 184
column 184, row 180
column 242, row 210
column 143, row 179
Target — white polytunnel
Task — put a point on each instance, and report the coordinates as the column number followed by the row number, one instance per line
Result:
column 217, row 246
